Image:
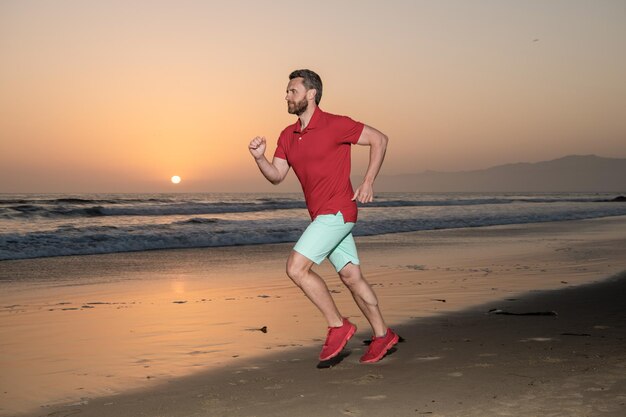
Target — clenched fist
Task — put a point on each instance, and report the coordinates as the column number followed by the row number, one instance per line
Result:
column 257, row 147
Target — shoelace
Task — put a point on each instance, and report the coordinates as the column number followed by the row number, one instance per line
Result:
column 330, row 331
column 376, row 339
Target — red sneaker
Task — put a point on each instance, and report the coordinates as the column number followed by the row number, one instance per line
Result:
column 380, row 346
column 337, row 339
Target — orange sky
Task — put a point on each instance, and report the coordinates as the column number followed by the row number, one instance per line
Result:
column 118, row 96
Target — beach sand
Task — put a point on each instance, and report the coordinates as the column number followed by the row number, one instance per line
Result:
column 177, row 332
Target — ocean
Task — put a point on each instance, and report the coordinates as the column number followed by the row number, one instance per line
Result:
column 44, row 225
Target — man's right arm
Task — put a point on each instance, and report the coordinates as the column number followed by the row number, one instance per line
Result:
column 277, row 170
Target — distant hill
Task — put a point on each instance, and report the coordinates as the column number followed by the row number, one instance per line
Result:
column 584, row 173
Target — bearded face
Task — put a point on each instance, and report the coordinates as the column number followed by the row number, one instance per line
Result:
column 296, row 97
column 297, row 107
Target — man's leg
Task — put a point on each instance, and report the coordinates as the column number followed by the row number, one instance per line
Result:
column 313, row 286
column 364, row 297
column 384, row 338
column 346, row 261
column 319, row 239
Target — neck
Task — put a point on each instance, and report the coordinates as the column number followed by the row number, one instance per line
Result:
column 305, row 117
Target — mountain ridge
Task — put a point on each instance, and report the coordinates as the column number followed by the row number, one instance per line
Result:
column 571, row 173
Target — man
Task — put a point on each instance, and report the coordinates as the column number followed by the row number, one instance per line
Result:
column 317, row 146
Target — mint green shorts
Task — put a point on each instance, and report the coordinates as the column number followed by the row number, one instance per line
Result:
column 329, row 237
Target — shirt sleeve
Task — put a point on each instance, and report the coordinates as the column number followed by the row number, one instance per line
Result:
column 280, row 150
column 349, row 131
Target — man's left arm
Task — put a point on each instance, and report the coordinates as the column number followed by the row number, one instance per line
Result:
column 377, row 141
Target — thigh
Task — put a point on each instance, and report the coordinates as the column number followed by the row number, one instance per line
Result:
column 322, row 236
column 344, row 253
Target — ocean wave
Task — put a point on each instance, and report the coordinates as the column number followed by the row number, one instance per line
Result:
column 79, row 207
column 77, row 200
column 188, row 234
column 208, row 232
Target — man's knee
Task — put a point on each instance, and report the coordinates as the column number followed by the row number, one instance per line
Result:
column 353, row 279
column 295, row 272
column 351, row 275
column 298, row 267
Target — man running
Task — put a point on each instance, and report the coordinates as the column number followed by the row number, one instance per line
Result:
column 317, row 146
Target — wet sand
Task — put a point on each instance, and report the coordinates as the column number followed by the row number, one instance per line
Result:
column 177, row 333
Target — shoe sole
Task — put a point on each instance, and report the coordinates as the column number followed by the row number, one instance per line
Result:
column 342, row 345
column 383, row 352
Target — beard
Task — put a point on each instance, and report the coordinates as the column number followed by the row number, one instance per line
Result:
column 297, row 108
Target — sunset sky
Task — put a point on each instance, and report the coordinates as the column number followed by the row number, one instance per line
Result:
column 118, row 96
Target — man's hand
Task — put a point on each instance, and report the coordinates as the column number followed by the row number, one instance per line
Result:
column 257, row 147
column 364, row 194
column 377, row 142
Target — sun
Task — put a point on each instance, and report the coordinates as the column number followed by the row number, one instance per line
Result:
column 175, row 179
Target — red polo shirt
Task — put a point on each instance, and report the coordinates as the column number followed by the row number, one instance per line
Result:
column 320, row 157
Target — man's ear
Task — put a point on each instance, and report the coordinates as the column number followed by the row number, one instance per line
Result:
column 310, row 94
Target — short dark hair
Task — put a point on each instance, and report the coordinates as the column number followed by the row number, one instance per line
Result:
column 311, row 80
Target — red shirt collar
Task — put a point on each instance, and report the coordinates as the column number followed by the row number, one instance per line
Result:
column 315, row 121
